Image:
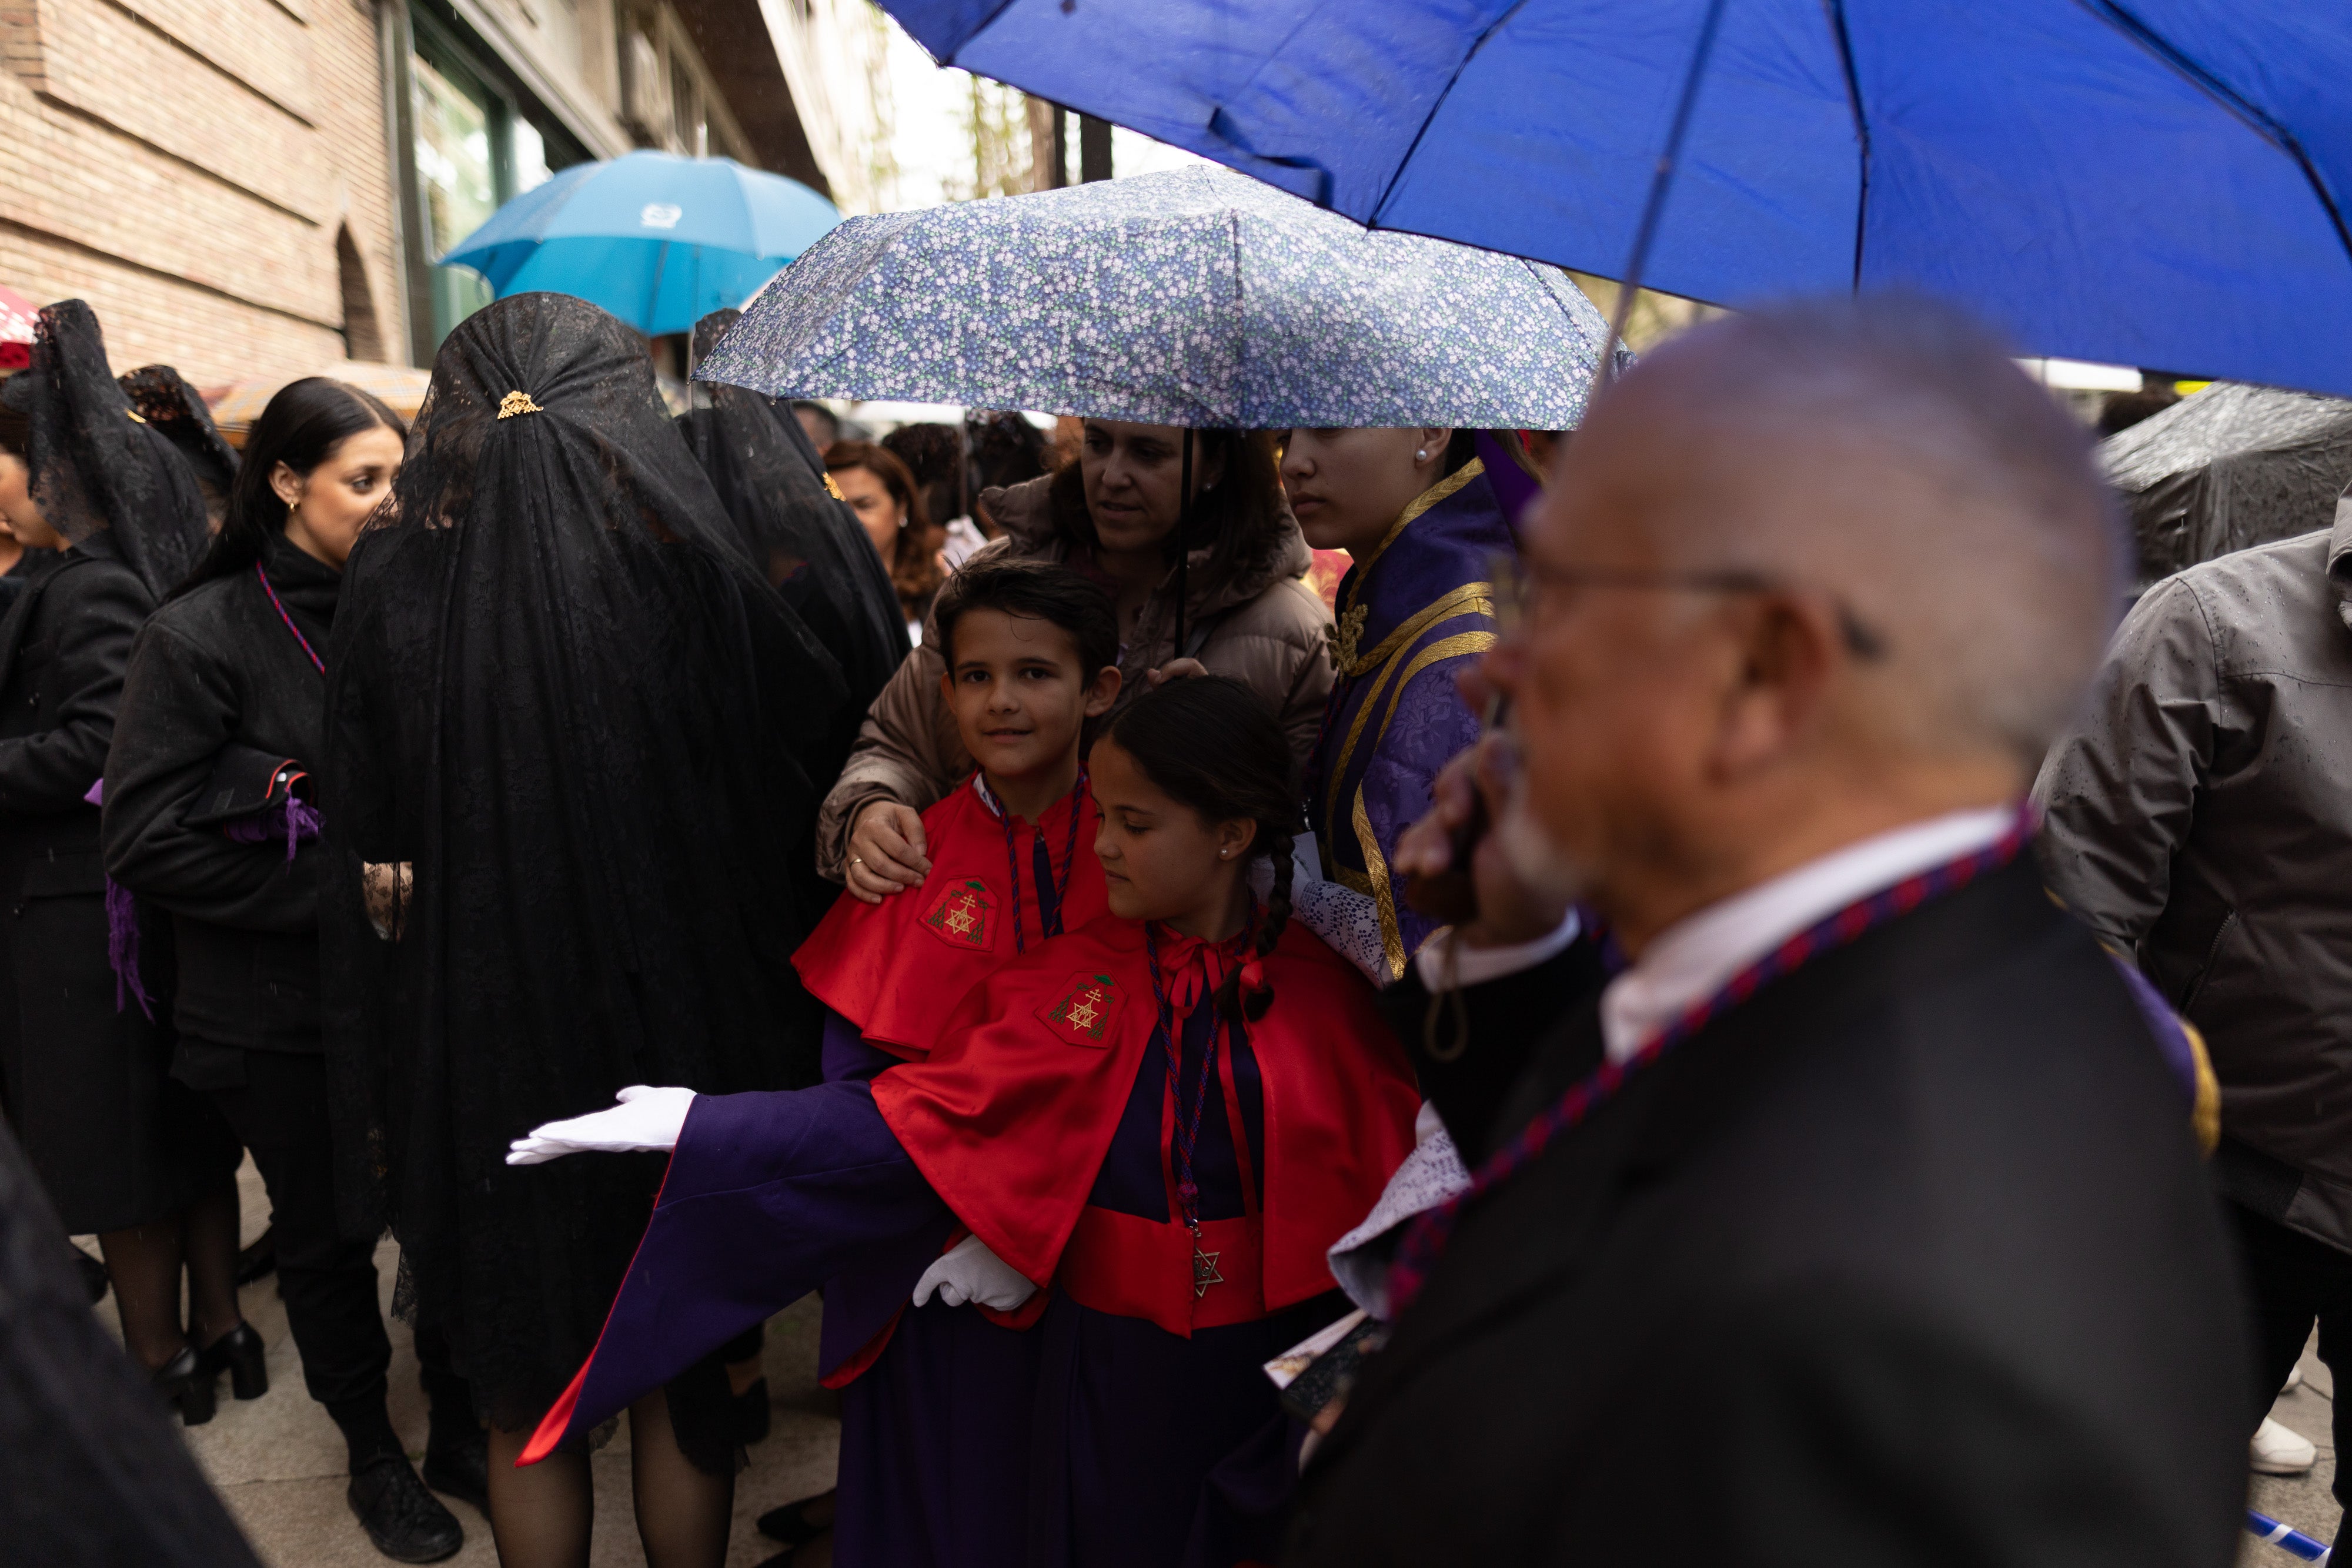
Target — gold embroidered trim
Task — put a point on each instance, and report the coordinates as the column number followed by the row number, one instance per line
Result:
column 1376, row 867
column 1420, row 504
column 516, row 403
column 834, row 490
column 1470, row 599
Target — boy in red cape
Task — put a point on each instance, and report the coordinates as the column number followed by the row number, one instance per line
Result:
column 1165, row 1117
column 1032, row 652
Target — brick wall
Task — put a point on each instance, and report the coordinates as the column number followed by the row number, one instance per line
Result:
column 185, row 166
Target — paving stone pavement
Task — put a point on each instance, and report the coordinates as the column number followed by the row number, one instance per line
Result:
column 2303, row 1501
column 279, row 1462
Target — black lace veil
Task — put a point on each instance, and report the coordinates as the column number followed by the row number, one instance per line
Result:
column 569, row 824
column 793, row 524
column 165, row 400
column 96, row 463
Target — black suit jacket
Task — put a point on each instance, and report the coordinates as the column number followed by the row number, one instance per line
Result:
column 1908, row 1259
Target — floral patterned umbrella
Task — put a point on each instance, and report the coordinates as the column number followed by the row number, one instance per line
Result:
column 1197, row 296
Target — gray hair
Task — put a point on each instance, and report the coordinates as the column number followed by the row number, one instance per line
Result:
column 1952, row 506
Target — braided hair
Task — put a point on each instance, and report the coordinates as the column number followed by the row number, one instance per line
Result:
column 1213, row 745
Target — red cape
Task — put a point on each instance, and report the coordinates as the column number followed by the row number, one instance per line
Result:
column 898, row 968
column 1011, row 1116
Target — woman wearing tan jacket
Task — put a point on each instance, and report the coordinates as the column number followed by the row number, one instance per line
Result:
column 1111, row 515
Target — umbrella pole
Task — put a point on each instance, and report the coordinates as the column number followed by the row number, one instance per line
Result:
column 1647, row 230
column 1183, row 540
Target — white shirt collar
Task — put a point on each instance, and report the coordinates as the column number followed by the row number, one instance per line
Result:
column 1697, row 954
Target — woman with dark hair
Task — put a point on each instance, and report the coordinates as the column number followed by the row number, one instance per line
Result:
column 1167, row 1115
column 124, row 1149
column 564, row 816
column 1424, row 520
column 209, row 816
column 1112, row 515
column 890, row 506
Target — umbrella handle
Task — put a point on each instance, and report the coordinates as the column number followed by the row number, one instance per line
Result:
column 1183, row 540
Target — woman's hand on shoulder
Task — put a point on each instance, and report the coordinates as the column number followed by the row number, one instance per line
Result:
column 1176, row 670
column 886, row 852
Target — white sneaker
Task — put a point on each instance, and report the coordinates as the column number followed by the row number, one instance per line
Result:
column 2278, row 1451
column 2294, row 1379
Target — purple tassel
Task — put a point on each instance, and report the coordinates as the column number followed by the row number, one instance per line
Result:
column 296, row 819
column 122, row 948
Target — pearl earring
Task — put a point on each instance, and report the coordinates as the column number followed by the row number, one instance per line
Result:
column 1422, row 456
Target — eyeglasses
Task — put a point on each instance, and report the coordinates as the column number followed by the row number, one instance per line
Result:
column 1531, row 578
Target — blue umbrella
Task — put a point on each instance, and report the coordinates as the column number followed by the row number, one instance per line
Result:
column 2161, row 183
column 1193, row 297
column 658, row 240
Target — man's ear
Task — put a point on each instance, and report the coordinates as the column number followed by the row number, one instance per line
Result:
column 1103, row 691
column 1789, row 651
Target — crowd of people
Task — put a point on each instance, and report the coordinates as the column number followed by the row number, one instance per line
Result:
column 1339, row 1082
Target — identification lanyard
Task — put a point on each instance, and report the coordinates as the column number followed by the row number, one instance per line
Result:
column 1046, row 926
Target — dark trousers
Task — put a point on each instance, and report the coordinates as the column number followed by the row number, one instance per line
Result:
column 2293, row 1282
column 328, row 1281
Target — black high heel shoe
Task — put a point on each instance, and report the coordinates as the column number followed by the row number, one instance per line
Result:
column 239, row 1353
column 186, row 1385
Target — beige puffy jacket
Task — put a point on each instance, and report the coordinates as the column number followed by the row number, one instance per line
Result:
column 1258, row 622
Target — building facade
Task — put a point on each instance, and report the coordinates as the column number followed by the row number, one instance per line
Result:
column 245, row 188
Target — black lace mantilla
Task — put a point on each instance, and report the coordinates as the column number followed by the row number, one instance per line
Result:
column 566, row 724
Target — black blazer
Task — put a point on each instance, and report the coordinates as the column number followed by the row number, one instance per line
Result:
column 214, row 670
column 1909, row 1259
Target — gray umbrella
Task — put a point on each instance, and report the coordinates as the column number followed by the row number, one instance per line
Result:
column 1196, row 297
column 2229, row 467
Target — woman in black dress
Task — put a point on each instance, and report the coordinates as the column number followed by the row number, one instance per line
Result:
column 208, row 817
column 85, row 1038
column 566, row 810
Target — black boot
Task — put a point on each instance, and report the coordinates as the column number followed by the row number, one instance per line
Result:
column 239, row 1353
column 457, row 1462
column 407, row 1523
column 186, row 1385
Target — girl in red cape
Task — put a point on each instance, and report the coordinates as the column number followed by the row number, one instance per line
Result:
column 1156, row 1124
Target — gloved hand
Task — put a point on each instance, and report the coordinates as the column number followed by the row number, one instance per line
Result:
column 646, row 1118
column 968, row 1272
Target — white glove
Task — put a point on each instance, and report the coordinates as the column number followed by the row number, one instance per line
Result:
column 968, row 1272
column 646, row 1118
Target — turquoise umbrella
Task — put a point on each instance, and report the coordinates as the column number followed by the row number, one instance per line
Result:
column 658, row 240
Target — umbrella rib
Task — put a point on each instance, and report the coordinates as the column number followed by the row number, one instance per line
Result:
column 1836, row 9
column 2131, row 26
column 1421, row 131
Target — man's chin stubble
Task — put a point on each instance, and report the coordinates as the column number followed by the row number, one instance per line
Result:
column 1538, row 861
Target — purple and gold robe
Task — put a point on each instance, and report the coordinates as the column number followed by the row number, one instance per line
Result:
column 1410, row 614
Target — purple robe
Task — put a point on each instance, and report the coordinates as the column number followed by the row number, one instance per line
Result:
column 1142, row 1449
column 1409, row 616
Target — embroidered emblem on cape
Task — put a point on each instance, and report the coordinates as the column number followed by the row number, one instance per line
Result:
column 962, row 917
column 1088, row 1009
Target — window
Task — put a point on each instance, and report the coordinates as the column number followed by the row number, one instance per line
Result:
column 473, row 150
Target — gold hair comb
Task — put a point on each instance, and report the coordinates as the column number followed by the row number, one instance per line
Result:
column 833, row 489
column 516, row 403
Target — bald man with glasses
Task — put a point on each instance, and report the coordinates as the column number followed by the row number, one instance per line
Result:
column 1855, row 1216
